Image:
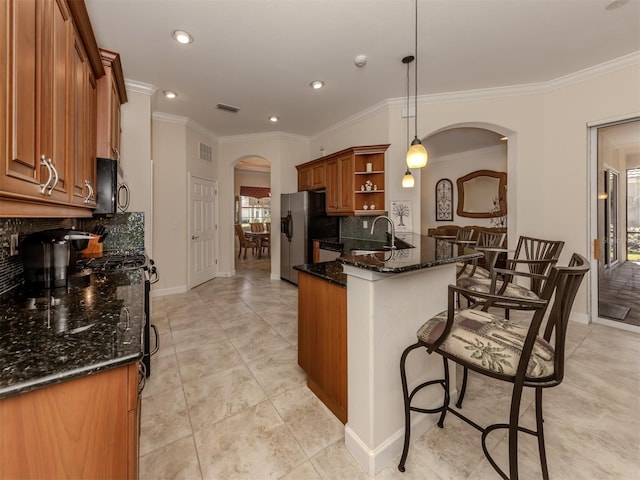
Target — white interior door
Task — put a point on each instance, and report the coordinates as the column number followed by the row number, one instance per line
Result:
column 203, row 263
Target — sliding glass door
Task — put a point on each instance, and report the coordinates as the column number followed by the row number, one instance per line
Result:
column 615, row 286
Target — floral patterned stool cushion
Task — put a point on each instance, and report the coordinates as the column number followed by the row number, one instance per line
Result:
column 483, row 285
column 488, row 341
column 479, row 272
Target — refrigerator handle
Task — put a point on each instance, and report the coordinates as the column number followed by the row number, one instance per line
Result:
column 289, row 226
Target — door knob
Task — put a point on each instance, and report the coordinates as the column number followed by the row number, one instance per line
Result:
column 193, row 237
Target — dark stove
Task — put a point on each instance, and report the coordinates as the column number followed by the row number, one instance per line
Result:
column 120, row 262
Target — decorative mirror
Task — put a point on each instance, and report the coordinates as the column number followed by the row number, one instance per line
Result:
column 482, row 194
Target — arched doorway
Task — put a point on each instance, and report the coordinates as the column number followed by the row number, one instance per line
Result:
column 457, row 150
column 252, row 208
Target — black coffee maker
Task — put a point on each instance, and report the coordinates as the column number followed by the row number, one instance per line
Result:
column 49, row 256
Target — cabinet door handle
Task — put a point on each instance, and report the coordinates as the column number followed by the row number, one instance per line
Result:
column 44, row 186
column 194, row 237
column 55, row 172
column 89, row 196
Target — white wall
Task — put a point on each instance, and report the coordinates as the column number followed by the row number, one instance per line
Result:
column 454, row 167
column 135, row 157
column 195, row 166
column 250, row 178
column 170, row 201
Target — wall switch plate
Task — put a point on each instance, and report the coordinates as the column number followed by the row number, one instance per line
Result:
column 365, row 224
column 13, row 246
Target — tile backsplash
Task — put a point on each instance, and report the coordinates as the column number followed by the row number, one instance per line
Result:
column 126, row 234
column 353, row 227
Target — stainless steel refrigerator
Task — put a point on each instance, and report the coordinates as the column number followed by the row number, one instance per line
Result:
column 302, row 219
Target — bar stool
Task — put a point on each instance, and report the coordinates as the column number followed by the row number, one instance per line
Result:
column 496, row 347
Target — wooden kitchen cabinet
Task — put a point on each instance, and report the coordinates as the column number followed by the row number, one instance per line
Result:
column 47, row 61
column 84, row 104
column 344, row 177
column 311, row 176
column 322, row 340
column 111, row 95
column 83, row 428
column 340, row 181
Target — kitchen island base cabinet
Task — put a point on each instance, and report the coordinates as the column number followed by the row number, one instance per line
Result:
column 322, row 340
column 84, row 428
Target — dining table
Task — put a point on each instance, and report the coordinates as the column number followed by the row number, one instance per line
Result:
column 259, row 237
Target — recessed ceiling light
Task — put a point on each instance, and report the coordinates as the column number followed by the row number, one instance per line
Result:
column 613, row 4
column 273, row 119
column 317, row 84
column 182, row 37
column 169, row 94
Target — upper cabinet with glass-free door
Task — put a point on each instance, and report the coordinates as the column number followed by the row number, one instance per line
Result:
column 48, row 46
column 111, row 95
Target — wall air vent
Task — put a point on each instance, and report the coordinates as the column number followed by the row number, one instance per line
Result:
column 206, row 152
column 228, row 108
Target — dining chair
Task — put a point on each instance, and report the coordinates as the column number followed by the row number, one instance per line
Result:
column 257, row 227
column 244, row 241
column 491, row 345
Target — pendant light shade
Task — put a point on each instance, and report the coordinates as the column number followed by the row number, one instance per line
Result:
column 407, row 180
column 416, row 155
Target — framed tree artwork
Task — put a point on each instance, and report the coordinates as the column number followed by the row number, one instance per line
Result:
column 402, row 215
column 444, row 200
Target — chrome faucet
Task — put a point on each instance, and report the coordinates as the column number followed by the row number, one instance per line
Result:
column 393, row 230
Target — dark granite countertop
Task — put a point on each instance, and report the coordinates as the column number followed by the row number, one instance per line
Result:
column 329, row 271
column 65, row 333
column 345, row 245
column 428, row 252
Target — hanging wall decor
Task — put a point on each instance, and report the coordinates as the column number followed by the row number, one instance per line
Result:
column 444, row 200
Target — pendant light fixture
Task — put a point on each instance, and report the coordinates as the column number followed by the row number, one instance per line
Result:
column 407, row 180
column 417, row 154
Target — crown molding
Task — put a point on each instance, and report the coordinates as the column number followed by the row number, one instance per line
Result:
column 261, row 136
column 185, row 121
column 381, row 107
column 630, row 60
column 169, row 118
column 140, row 87
column 620, row 63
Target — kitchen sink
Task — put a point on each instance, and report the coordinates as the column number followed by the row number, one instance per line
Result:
column 373, row 251
column 368, row 252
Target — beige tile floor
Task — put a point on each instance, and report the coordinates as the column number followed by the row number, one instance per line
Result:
column 227, row 400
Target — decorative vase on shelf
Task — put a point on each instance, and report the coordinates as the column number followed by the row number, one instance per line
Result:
column 373, row 206
column 362, row 187
column 365, row 206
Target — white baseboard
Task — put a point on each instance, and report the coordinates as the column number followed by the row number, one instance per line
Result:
column 169, row 291
column 579, row 318
column 374, row 461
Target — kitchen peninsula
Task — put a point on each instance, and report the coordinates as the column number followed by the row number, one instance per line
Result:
column 389, row 295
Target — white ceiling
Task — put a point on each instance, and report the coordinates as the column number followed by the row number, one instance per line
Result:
column 261, row 55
